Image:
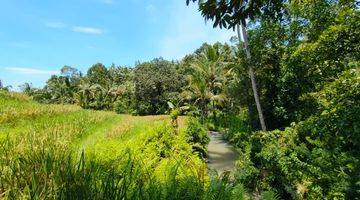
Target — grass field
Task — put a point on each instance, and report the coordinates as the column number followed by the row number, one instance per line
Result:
column 64, row 152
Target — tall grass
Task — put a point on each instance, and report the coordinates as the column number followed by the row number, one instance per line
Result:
column 16, row 106
column 46, row 169
column 127, row 158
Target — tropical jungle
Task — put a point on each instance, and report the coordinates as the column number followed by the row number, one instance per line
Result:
column 284, row 92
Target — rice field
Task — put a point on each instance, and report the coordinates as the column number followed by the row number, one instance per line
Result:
column 65, row 152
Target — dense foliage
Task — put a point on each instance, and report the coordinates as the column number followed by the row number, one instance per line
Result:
column 314, row 158
column 306, row 63
column 156, row 83
column 143, row 90
column 198, row 136
column 65, row 152
column 305, row 56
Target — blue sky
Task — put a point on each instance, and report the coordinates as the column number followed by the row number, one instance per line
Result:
column 38, row 37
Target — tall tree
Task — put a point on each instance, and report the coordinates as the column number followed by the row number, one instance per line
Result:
column 98, row 74
column 251, row 73
column 156, row 82
column 207, row 77
column 84, row 95
column 229, row 14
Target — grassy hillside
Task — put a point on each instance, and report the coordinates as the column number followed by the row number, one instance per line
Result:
column 61, row 151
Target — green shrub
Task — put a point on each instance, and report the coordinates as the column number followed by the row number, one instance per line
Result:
column 122, row 106
column 210, row 126
column 174, row 114
column 313, row 65
column 197, row 136
column 315, row 158
column 236, row 128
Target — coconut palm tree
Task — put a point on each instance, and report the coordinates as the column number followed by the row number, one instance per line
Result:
column 84, row 95
column 207, row 76
column 99, row 95
column 231, row 13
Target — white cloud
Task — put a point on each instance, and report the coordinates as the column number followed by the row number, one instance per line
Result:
column 188, row 31
column 31, row 71
column 87, row 30
column 79, row 29
column 56, row 25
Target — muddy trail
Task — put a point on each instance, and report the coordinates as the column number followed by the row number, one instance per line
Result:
column 221, row 154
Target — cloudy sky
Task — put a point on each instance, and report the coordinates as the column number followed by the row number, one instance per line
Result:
column 38, row 37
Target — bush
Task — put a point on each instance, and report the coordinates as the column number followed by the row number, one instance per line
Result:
column 236, row 128
column 197, row 136
column 315, row 158
column 122, row 106
column 313, row 65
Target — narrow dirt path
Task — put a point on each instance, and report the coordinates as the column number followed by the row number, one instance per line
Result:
column 221, row 154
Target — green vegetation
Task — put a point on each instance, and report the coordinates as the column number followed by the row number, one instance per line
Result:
column 64, row 152
column 312, row 158
column 306, row 59
column 287, row 97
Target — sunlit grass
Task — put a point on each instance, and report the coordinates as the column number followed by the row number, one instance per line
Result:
column 63, row 152
column 15, row 107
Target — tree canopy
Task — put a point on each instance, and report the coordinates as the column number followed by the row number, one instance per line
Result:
column 228, row 14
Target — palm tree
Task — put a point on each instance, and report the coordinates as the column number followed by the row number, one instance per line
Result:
column 99, row 95
column 84, row 95
column 251, row 73
column 206, row 79
column 231, row 13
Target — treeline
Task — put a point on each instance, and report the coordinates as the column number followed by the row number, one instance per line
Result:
column 292, row 58
column 147, row 88
column 143, row 89
column 306, row 58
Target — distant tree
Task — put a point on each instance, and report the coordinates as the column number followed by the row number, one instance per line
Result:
column 156, row 82
column 119, row 75
column 84, row 95
column 27, row 88
column 5, row 88
column 98, row 74
column 69, row 72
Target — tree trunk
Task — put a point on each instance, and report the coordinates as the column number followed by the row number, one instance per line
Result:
column 203, row 110
column 251, row 73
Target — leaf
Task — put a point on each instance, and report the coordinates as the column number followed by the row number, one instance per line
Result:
column 171, row 105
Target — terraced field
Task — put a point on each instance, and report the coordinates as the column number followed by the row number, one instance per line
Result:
column 65, row 152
